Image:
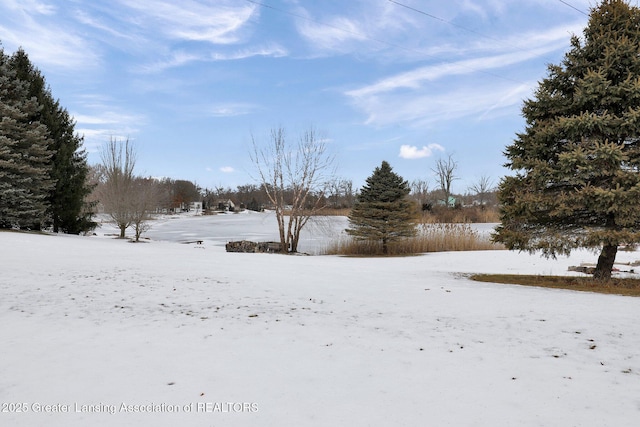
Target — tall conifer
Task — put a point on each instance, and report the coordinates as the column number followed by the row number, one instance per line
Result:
column 25, row 172
column 382, row 211
column 67, row 210
column 577, row 163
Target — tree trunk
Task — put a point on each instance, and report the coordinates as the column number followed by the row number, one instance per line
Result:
column 122, row 229
column 385, row 247
column 605, row 262
column 281, row 231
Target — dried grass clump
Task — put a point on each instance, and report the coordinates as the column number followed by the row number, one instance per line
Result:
column 471, row 214
column 430, row 238
column 453, row 237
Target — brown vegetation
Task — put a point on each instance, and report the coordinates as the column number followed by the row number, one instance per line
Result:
column 618, row 286
column 324, row 211
column 430, row 238
column 467, row 214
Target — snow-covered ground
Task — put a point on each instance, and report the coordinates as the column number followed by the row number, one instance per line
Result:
column 109, row 333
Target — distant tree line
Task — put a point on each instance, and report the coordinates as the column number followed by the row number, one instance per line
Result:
column 43, row 166
column 176, row 195
column 337, row 193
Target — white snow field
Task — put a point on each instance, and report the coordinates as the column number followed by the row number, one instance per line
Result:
column 97, row 331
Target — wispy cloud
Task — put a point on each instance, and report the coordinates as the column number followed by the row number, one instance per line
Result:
column 79, row 36
column 182, row 58
column 231, row 109
column 30, row 6
column 227, row 169
column 85, row 18
column 275, row 51
column 47, row 41
column 392, row 32
column 426, row 108
column 103, row 122
column 428, row 94
column 218, row 23
column 106, row 117
column 362, row 27
column 411, row 152
column 538, row 42
column 416, row 78
column 175, row 59
column 331, row 34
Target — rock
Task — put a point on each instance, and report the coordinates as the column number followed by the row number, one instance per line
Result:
column 247, row 246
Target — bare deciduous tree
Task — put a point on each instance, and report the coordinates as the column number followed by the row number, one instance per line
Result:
column 294, row 179
column 145, row 196
column 340, row 193
column 116, row 193
column 348, row 192
column 481, row 188
column 445, row 175
column 420, row 191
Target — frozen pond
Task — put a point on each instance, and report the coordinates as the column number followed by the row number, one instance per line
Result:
column 259, row 227
column 217, row 230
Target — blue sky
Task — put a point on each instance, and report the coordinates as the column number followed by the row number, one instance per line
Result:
column 190, row 82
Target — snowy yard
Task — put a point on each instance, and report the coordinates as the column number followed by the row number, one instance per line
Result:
column 101, row 332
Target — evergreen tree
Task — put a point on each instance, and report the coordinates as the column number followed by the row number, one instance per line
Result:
column 382, row 211
column 577, row 181
column 67, row 210
column 25, row 172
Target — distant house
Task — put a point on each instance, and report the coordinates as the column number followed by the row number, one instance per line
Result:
column 195, row 206
column 225, row 206
column 451, row 202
